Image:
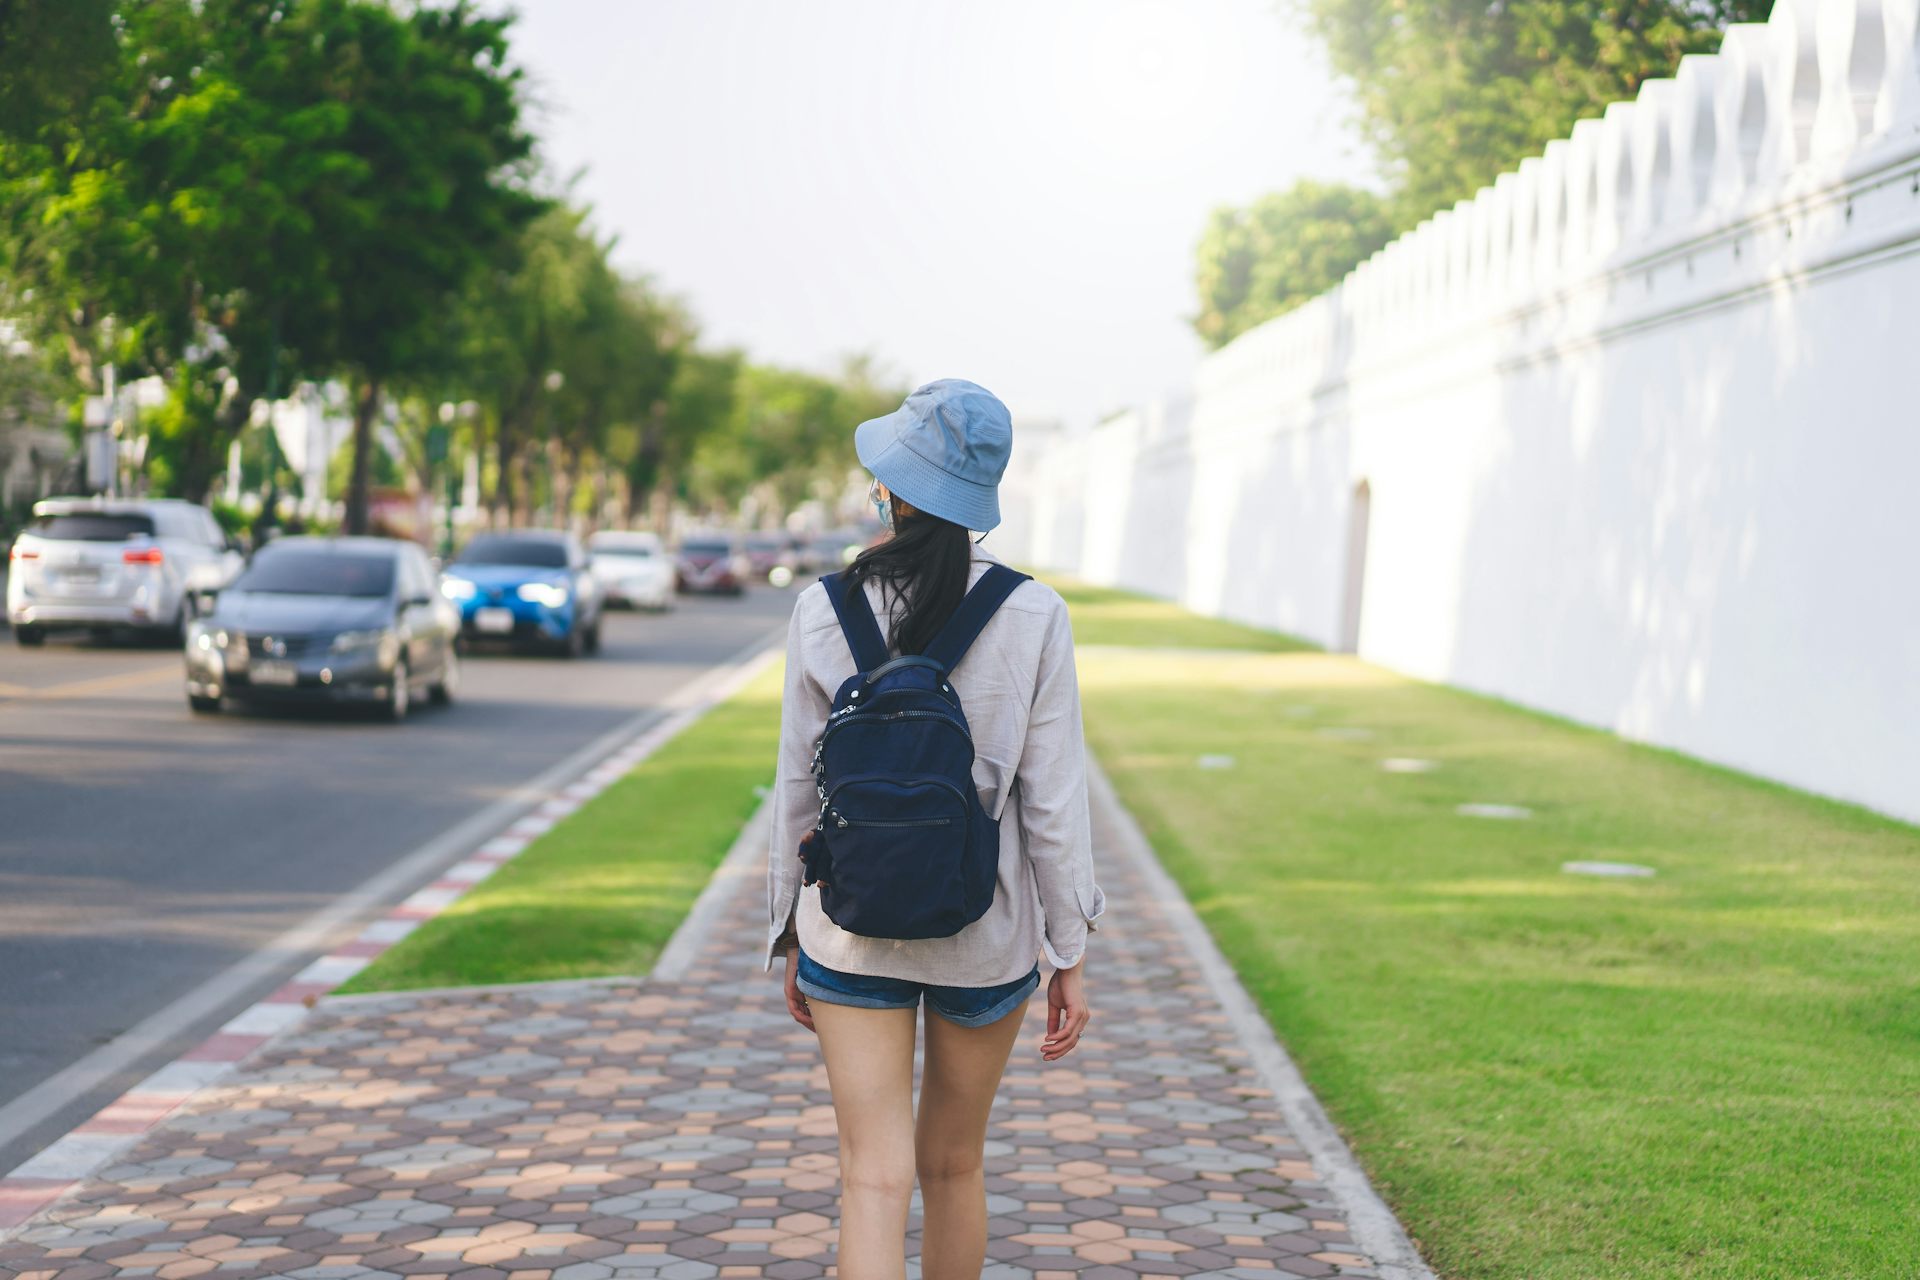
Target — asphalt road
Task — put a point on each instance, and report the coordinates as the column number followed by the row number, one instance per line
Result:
column 144, row 850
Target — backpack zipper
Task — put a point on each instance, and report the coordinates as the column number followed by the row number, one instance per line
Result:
column 842, row 820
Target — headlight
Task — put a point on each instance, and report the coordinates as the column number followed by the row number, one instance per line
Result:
column 381, row 640
column 204, row 635
column 541, row 593
column 456, row 588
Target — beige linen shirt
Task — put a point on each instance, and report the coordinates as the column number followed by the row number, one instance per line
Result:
column 1022, row 701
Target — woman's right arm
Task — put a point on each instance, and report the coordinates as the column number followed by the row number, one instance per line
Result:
column 803, row 713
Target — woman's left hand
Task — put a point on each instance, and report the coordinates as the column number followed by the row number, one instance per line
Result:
column 796, row 1002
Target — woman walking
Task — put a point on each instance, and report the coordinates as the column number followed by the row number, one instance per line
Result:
column 937, row 463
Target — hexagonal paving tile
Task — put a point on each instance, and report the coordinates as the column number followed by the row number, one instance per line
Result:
column 422, row 1158
column 378, row 1216
column 665, row 1203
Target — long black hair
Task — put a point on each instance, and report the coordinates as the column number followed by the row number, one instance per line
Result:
column 922, row 570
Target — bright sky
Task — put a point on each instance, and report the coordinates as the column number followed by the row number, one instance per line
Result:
column 1002, row 190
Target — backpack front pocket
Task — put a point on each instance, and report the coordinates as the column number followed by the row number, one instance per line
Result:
column 899, row 848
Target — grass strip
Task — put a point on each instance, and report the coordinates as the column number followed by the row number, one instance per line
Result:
column 601, row 893
column 1709, row 1073
column 1109, row 616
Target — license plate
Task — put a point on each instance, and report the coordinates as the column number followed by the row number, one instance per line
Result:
column 275, row 673
column 495, row 621
column 82, row 574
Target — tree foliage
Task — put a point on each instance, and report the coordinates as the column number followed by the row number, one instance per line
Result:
column 1454, row 94
column 1273, row 255
column 240, row 197
column 1451, row 95
column 53, row 54
column 789, row 435
column 247, row 193
column 438, row 193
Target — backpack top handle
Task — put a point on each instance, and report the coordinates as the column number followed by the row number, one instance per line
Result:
column 892, row 665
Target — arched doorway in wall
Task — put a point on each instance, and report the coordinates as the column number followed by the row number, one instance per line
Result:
column 1353, row 588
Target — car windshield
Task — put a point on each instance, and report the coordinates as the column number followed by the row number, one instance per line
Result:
column 532, row 553
column 93, row 526
column 318, row 573
column 638, row 550
column 704, row 549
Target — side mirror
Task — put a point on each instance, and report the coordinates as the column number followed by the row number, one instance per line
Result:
column 204, row 598
column 414, row 602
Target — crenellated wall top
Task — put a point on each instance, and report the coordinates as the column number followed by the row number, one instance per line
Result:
column 1823, row 94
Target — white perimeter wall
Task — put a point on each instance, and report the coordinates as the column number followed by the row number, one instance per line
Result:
column 1640, row 428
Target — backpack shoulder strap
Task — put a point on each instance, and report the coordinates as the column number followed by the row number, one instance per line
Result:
column 978, row 605
column 857, row 622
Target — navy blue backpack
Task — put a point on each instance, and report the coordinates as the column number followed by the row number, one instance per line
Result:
column 903, row 848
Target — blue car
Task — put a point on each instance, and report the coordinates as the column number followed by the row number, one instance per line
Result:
column 530, row 588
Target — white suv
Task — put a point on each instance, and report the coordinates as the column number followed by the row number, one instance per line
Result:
column 107, row 562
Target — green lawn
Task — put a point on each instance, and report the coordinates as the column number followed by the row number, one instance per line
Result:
column 601, row 893
column 1104, row 615
column 1712, row 1073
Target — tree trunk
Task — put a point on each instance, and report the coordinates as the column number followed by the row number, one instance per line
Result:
column 206, row 459
column 502, row 498
column 643, row 469
column 365, row 407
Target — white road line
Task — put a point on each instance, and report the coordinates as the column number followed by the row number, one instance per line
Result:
column 336, row 922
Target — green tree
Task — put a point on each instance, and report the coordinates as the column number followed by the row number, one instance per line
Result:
column 619, row 370
column 1454, row 94
column 1283, row 249
column 440, row 193
column 789, row 436
column 53, row 54
column 528, row 314
column 255, row 192
column 700, row 402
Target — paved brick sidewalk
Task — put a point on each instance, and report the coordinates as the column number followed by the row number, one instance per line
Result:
column 625, row 1129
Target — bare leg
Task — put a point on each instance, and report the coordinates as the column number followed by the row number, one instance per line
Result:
column 961, row 1074
column 869, row 1055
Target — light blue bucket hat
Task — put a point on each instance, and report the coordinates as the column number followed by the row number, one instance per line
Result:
column 943, row 451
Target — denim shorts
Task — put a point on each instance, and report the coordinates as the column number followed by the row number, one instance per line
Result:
column 966, row 1006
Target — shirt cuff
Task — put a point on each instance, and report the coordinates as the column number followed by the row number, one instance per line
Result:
column 780, row 937
column 1091, row 909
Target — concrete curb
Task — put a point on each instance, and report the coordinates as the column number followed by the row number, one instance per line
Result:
column 1375, row 1229
column 64, row 1164
column 742, row 860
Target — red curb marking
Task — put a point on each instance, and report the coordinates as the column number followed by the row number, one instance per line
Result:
column 120, row 1128
column 299, row 992
column 223, row 1046
column 360, row 949
column 133, row 1112
column 141, row 1108
column 21, row 1198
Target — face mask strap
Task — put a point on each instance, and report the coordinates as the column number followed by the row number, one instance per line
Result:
column 883, row 508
